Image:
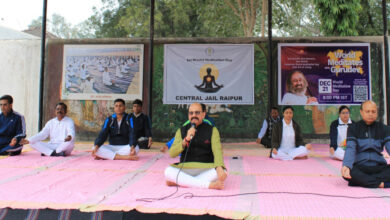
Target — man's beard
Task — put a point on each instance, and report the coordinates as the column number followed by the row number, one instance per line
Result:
column 301, row 90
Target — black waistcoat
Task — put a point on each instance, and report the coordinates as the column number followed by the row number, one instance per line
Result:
column 199, row 149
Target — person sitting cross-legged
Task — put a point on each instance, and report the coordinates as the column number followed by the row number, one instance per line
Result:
column 201, row 160
column 117, row 128
column 364, row 164
column 61, row 132
column 287, row 140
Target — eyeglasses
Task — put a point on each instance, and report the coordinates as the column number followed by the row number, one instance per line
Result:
column 194, row 113
column 344, row 113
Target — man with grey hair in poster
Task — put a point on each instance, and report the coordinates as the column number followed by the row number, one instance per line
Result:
column 297, row 90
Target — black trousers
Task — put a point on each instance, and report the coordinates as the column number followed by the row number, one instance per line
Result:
column 369, row 176
column 266, row 142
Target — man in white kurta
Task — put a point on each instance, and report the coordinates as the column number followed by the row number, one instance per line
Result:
column 61, row 132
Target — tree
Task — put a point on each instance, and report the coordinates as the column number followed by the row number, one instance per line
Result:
column 295, row 18
column 247, row 12
column 339, row 17
column 370, row 18
column 58, row 26
column 186, row 18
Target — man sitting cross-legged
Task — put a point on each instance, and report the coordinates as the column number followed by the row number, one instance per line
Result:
column 363, row 163
column 61, row 132
column 117, row 128
column 201, row 156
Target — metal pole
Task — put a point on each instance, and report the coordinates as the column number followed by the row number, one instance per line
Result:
column 270, row 75
column 386, row 61
column 151, row 38
column 41, row 78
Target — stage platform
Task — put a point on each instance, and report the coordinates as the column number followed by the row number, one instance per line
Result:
column 88, row 188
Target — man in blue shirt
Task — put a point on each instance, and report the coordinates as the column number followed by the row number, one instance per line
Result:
column 364, row 164
column 12, row 128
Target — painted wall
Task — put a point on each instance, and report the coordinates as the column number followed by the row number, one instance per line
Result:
column 19, row 73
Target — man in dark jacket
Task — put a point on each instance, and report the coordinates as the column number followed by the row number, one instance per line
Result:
column 265, row 135
column 363, row 163
column 142, row 127
column 118, row 129
column 12, row 128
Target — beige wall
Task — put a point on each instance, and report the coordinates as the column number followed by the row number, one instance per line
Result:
column 19, row 74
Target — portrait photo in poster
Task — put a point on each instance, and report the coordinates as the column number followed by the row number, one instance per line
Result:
column 324, row 74
column 102, row 72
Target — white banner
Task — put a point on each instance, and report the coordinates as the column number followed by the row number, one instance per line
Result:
column 207, row 73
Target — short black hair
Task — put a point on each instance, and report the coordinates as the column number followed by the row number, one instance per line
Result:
column 343, row 107
column 276, row 108
column 138, row 102
column 63, row 105
column 120, row 100
column 203, row 107
column 287, row 107
column 9, row 98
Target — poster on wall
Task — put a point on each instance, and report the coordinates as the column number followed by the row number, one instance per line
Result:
column 324, row 73
column 102, row 72
column 209, row 73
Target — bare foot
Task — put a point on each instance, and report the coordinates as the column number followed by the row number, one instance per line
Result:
column 216, row 185
column 331, row 151
column 301, row 158
column 221, row 174
column 98, row 158
column 164, row 149
column 133, row 157
column 169, row 183
column 382, row 185
column 132, row 151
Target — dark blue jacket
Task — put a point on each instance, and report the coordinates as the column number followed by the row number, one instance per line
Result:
column 365, row 144
column 142, row 126
column 11, row 126
column 117, row 135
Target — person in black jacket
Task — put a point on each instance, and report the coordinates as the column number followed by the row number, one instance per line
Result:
column 12, row 128
column 142, row 126
column 287, row 141
column 118, row 128
column 363, row 163
column 338, row 133
column 265, row 135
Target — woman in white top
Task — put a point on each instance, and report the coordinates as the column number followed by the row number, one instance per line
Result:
column 287, row 141
column 338, row 133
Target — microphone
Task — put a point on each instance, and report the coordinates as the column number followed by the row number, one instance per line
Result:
column 192, row 126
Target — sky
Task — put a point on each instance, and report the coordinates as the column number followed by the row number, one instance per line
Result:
column 18, row 14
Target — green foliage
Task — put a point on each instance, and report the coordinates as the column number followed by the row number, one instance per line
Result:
column 370, row 18
column 186, row 18
column 295, row 18
column 339, row 17
column 58, row 26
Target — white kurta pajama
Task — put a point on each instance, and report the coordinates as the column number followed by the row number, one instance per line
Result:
column 57, row 131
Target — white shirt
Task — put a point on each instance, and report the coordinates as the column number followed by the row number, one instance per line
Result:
column 342, row 131
column 56, row 130
column 263, row 129
column 288, row 136
column 295, row 99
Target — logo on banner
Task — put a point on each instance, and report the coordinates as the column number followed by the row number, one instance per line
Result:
column 209, row 51
column 209, row 74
